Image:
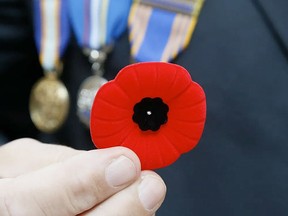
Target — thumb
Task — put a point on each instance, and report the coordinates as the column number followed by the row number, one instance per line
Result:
column 72, row 186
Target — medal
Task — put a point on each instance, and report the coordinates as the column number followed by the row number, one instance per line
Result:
column 49, row 98
column 90, row 85
column 97, row 24
column 49, row 104
column 87, row 92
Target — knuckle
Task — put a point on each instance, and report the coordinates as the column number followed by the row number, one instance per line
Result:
column 4, row 207
column 8, row 198
column 4, row 203
column 87, row 189
column 20, row 143
column 25, row 141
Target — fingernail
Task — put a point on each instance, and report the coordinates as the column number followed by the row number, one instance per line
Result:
column 121, row 171
column 151, row 192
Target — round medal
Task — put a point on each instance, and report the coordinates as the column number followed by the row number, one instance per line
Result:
column 87, row 92
column 49, row 104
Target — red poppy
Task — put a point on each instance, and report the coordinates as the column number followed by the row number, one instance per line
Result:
column 154, row 108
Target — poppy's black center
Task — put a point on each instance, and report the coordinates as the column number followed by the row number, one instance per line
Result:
column 150, row 113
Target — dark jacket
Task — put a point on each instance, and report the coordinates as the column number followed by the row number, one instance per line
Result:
column 239, row 54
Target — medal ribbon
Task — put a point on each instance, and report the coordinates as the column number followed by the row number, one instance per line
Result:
column 97, row 23
column 51, row 31
column 161, row 29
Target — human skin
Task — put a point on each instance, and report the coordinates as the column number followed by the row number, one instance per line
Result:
column 45, row 179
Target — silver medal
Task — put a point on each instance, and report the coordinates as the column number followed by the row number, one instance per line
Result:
column 87, row 93
column 90, row 86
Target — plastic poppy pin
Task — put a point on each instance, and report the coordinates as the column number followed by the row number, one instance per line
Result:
column 153, row 108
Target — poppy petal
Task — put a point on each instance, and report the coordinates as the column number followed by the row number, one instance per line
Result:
column 180, row 133
column 113, row 137
column 154, row 150
column 117, row 96
column 174, row 80
column 107, row 111
column 194, row 94
column 128, row 81
column 186, row 116
column 111, row 116
column 189, row 106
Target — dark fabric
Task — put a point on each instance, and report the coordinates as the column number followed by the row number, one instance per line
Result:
column 240, row 167
column 238, row 54
column 275, row 16
column 19, row 69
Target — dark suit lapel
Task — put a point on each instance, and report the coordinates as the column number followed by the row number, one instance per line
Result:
column 275, row 14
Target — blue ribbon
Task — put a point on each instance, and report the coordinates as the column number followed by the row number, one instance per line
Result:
column 157, row 34
column 51, row 31
column 97, row 23
column 161, row 29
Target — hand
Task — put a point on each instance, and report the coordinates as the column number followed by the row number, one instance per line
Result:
column 41, row 179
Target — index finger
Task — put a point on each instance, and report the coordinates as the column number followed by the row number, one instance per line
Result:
column 25, row 155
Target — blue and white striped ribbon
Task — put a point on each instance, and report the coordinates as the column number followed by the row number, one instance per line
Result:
column 51, row 31
column 97, row 23
column 161, row 29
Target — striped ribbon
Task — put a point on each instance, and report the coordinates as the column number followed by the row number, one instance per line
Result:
column 51, row 31
column 161, row 29
column 97, row 23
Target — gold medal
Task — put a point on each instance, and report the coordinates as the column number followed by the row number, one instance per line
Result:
column 49, row 98
column 49, row 103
